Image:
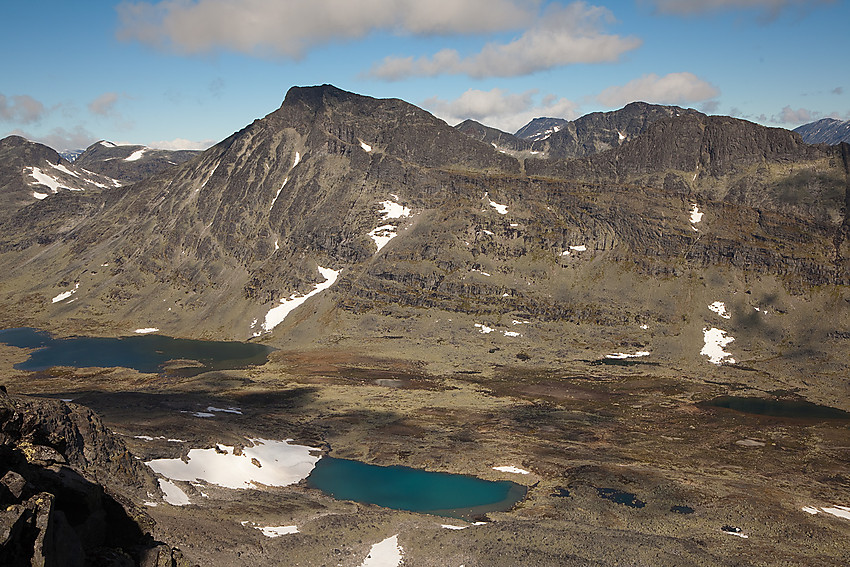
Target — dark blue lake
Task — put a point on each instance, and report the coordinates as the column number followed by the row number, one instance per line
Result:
column 405, row 488
column 795, row 409
column 145, row 353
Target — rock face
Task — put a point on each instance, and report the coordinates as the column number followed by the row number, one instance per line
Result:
column 600, row 131
column 493, row 136
column 541, row 128
column 825, row 131
column 30, row 172
column 129, row 164
column 64, row 490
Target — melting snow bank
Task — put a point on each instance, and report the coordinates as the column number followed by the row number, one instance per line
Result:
column 276, row 315
column 837, row 511
column 146, row 330
column 382, row 235
column 696, row 215
column 715, row 340
column 387, row 553
column 66, row 294
column 720, row 308
column 173, row 494
column 366, row 147
column 622, row 355
column 273, row 531
column 269, row 463
column 511, row 469
column 137, row 155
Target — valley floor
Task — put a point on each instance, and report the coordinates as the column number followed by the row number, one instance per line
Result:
column 625, row 467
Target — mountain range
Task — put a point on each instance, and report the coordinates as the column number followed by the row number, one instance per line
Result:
column 825, row 131
column 572, row 306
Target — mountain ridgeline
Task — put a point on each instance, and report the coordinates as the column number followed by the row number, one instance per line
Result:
column 383, row 221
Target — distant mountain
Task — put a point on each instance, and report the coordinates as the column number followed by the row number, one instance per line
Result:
column 825, row 131
column 131, row 163
column 71, row 155
column 30, row 172
column 540, row 128
column 496, row 138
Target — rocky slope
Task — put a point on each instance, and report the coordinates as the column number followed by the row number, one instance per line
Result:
column 66, row 489
column 395, row 229
column 493, row 136
column 130, row 163
column 825, row 131
column 540, row 128
column 29, row 172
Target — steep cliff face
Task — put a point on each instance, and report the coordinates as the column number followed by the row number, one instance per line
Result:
column 65, row 483
column 599, row 131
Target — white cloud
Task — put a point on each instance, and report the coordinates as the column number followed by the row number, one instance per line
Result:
column 500, row 109
column 290, row 27
column 771, row 8
column 796, row 117
column 104, row 105
column 61, row 139
column 675, row 88
column 22, row 109
column 561, row 35
column 181, row 144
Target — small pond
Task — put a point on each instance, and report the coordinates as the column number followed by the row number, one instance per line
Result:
column 797, row 409
column 145, row 353
column 404, row 488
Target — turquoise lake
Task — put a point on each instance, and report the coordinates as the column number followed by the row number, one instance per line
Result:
column 414, row 490
column 145, row 353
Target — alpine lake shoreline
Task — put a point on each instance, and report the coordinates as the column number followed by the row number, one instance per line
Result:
column 627, row 462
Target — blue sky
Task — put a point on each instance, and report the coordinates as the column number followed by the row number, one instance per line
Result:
column 188, row 73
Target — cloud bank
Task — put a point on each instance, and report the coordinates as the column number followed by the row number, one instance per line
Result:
column 20, row 109
column 290, row 27
column 560, row 36
column 674, row 88
column 500, row 109
column 771, row 8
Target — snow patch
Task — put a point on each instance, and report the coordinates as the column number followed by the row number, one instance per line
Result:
column 512, row 334
column 228, row 410
column 137, row 155
column 696, row 215
column 484, row 328
column 720, row 308
column 43, row 179
column 715, row 340
column 386, row 553
column 269, row 463
column 393, row 210
column 106, row 144
column 579, row 248
column 297, row 159
column 173, row 494
column 366, row 147
column 66, row 294
column 501, row 209
column 277, row 314
column 838, row 511
column 511, row 469
column 146, row 330
column 810, row 510
column 621, row 135
column 278, row 193
column 39, row 196
column 382, row 235
column 451, row 527
column 622, row 355
column 276, row 531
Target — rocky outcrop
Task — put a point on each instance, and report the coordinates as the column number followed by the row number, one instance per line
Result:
column 65, row 487
column 493, row 136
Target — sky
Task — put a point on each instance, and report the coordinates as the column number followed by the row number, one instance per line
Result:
column 188, row 73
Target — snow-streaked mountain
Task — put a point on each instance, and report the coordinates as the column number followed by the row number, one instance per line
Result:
column 131, row 163
column 825, row 131
column 71, row 155
column 340, row 219
column 31, row 172
column 540, row 128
